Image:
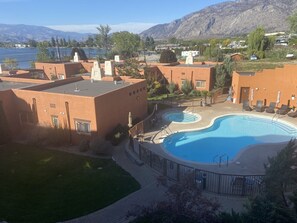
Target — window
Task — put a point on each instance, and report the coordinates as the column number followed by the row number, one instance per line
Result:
column 183, row 73
column 52, row 105
column 61, row 76
column 200, row 84
column 83, row 127
column 183, row 81
column 55, row 121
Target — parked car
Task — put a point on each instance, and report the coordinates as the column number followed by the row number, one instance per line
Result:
column 253, row 57
column 290, row 56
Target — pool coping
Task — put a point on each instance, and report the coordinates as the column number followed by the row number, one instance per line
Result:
column 182, row 123
column 211, row 124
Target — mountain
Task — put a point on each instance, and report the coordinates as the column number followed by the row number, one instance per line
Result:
column 22, row 33
column 231, row 18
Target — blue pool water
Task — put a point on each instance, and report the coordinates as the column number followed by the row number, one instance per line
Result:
column 227, row 136
column 182, row 117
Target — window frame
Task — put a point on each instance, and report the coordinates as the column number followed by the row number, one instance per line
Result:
column 200, row 81
column 55, row 121
column 78, row 123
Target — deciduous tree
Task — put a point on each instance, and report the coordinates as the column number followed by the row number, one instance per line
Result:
column 126, row 43
column 258, row 43
column 184, row 203
column 10, row 63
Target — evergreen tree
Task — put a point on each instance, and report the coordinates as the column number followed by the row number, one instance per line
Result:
column 53, row 42
column 168, row 56
column 130, row 68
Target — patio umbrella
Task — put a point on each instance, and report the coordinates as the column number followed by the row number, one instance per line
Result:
column 130, row 120
column 252, row 94
column 278, row 97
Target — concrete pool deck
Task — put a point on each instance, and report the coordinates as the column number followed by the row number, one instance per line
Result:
column 250, row 161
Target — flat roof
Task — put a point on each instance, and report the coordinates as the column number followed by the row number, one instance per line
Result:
column 195, row 65
column 7, row 85
column 87, row 88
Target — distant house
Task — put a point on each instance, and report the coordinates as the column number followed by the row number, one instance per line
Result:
column 237, row 57
column 202, row 76
column 63, row 70
column 190, row 52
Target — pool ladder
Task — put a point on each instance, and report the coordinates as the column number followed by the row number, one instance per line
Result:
column 221, row 159
column 166, row 129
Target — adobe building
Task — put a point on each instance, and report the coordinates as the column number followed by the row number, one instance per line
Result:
column 63, row 70
column 202, row 76
column 269, row 85
column 85, row 107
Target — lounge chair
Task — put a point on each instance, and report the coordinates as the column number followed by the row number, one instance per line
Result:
column 259, row 106
column 271, row 107
column 283, row 110
column 245, row 106
column 293, row 114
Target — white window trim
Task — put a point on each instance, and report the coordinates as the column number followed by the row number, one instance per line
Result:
column 201, row 81
column 81, row 122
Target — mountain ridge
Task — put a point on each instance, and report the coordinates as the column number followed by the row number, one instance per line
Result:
column 230, row 18
column 23, row 33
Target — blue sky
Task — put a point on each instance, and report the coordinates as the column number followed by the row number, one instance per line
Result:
column 85, row 15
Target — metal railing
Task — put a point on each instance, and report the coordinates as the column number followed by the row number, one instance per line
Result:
column 219, row 183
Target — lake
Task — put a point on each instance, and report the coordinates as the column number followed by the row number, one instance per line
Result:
column 25, row 56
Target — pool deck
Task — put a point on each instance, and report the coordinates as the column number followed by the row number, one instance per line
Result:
column 250, row 161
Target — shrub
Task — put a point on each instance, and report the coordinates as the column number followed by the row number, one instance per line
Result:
column 118, row 134
column 171, row 87
column 168, row 56
column 193, row 93
column 100, row 147
column 186, row 87
column 48, row 136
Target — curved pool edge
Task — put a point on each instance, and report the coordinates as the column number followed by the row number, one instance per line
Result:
column 199, row 118
column 238, row 156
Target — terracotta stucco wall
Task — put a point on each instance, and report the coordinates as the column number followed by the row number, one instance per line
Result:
column 51, row 104
column 113, row 108
column 67, row 69
column 267, row 83
column 176, row 74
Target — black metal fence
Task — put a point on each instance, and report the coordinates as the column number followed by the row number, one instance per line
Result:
column 225, row 184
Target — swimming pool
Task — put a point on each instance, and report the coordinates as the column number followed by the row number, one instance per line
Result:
column 228, row 136
column 181, row 117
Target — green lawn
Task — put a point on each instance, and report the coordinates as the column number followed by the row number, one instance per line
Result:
column 39, row 185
